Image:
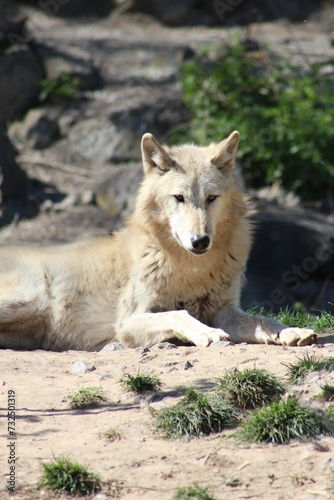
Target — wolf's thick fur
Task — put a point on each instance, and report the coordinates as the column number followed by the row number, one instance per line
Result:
column 174, row 271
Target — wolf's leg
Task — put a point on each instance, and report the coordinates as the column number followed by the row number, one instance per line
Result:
column 146, row 329
column 23, row 322
column 243, row 327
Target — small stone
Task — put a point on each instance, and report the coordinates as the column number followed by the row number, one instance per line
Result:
column 164, row 364
column 113, row 346
column 100, row 496
column 121, row 368
column 165, row 345
column 186, row 365
column 142, row 350
column 328, row 464
column 82, row 367
column 221, row 343
column 146, row 359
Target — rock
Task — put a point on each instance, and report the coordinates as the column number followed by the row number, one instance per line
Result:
column 176, row 12
column 113, row 346
column 12, row 31
column 38, row 129
column 82, row 367
column 219, row 12
column 117, row 138
column 186, row 365
column 168, row 364
column 221, row 343
column 14, row 181
column 59, row 60
column 20, row 76
column 117, row 194
column 165, row 345
column 292, row 259
column 76, row 8
column 142, row 350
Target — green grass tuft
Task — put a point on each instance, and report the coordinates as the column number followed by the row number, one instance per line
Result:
column 306, row 364
column 195, row 415
column 250, row 388
column 87, row 397
column 62, row 476
column 327, row 393
column 282, row 421
column 112, row 434
column 300, row 318
column 193, row 493
column 330, row 411
column 141, row 383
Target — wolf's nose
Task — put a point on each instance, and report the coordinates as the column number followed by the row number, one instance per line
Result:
column 200, row 243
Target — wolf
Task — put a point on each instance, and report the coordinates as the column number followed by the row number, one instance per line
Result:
column 174, row 272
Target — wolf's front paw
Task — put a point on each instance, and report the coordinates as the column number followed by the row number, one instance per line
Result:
column 208, row 336
column 298, row 336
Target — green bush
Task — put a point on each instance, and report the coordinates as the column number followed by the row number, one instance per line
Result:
column 282, row 421
column 62, row 475
column 86, row 398
column 197, row 414
column 141, row 383
column 284, row 113
column 250, row 388
column 193, row 493
column 67, row 86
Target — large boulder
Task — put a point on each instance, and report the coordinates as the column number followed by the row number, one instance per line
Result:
column 292, row 259
column 117, row 137
column 14, row 181
column 20, row 77
column 76, row 8
column 224, row 12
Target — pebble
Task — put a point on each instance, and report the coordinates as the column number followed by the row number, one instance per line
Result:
column 113, row 346
column 221, row 343
column 165, row 345
column 100, row 496
column 142, row 350
column 82, row 367
column 186, row 365
column 146, row 359
column 164, row 364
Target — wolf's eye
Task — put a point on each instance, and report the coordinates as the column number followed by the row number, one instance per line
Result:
column 179, row 198
column 211, row 198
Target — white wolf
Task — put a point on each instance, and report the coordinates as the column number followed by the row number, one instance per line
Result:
column 174, row 271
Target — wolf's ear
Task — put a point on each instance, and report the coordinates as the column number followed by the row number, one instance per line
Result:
column 225, row 152
column 155, row 158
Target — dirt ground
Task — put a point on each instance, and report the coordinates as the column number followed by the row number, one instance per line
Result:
column 143, row 463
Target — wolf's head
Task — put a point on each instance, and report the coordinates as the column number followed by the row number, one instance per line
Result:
column 186, row 188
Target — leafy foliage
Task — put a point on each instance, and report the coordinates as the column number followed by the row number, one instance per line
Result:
column 306, row 364
column 141, row 382
column 284, row 113
column 282, row 421
column 193, row 493
column 62, row 475
column 250, row 388
column 327, row 393
column 67, row 86
column 195, row 415
column 87, row 397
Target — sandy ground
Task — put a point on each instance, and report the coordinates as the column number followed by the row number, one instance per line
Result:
column 145, row 464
